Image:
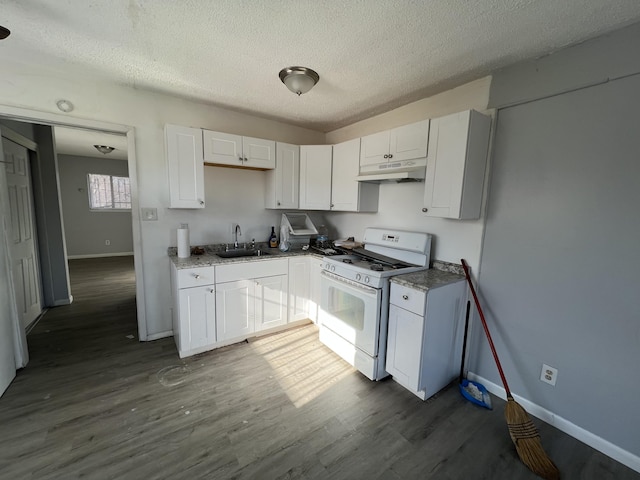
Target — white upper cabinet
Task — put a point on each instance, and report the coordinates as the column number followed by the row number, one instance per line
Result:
column 238, row 151
column 186, row 167
column 315, row 177
column 401, row 143
column 347, row 194
column 458, row 145
column 283, row 183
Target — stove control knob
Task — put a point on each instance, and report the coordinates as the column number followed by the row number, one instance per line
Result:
column 366, row 279
column 333, row 268
column 358, row 277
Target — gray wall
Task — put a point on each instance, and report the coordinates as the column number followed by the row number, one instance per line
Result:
column 86, row 231
column 559, row 269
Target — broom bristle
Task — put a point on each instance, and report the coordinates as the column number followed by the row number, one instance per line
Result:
column 527, row 441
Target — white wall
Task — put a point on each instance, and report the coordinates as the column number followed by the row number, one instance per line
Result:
column 85, row 231
column 39, row 89
column 400, row 205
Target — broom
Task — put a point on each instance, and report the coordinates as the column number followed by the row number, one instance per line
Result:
column 523, row 432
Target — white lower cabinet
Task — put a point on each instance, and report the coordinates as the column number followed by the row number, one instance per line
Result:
column 250, row 297
column 424, row 343
column 194, row 310
column 270, row 302
column 241, row 300
column 315, row 292
column 299, row 287
column 235, row 309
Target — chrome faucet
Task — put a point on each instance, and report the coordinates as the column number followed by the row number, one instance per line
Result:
column 236, row 233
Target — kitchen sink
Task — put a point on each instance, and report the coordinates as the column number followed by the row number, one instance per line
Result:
column 242, row 253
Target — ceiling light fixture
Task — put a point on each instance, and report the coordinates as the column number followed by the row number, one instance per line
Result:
column 104, row 149
column 4, row 32
column 65, row 106
column 299, row 79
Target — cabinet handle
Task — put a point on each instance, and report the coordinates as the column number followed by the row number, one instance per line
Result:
column 240, row 159
column 332, row 205
column 197, row 276
column 390, row 155
column 425, row 209
column 406, row 297
column 211, row 290
column 245, row 159
column 201, row 202
column 278, row 203
column 385, row 156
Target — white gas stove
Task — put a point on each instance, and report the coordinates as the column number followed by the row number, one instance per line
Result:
column 355, row 295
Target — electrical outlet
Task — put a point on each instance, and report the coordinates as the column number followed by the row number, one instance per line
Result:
column 549, row 374
column 107, row 242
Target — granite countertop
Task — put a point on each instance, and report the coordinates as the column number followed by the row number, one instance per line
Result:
column 209, row 256
column 441, row 273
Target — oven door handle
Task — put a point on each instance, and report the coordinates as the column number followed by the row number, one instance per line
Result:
column 337, row 278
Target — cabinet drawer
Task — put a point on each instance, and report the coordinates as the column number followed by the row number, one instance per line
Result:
column 408, row 298
column 251, row 269
column 195, row 277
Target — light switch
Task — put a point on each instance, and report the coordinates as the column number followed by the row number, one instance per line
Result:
column 149, row 214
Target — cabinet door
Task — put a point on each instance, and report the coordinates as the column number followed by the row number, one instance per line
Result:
column 299, row 288
column 283, row 183
column 259, row 153
column 409, row 141
column 271, row 301
column 456, row 165
column 197, row 317
column 315, row 177
column 235, row 309
column 222, row 148
column 404, row 346
column 374, row 147
column 186, row 167
column 315, row 288
column 344, row 186
column 445, row 166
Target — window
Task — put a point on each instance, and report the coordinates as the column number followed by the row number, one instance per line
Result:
column 108, row 192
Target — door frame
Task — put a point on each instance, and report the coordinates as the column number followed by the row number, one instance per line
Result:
column 53, row 120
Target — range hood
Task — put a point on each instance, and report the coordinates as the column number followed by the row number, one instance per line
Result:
column 403, row 171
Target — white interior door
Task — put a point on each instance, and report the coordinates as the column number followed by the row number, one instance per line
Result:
column 7, row 312
column 22, row 246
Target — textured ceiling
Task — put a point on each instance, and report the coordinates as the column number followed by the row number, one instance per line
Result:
column 372, row 55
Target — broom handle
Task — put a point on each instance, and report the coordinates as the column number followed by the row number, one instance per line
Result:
column 486, row 329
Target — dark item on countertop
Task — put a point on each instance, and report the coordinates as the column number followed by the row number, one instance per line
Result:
column 273, row 241
column 473, row 391
column 523, row 432
column 197, row 251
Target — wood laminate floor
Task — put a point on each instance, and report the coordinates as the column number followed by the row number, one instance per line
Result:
column 94, row 403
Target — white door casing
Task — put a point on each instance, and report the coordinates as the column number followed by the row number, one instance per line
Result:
column 22, row 243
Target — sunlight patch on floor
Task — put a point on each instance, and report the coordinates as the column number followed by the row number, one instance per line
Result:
column 303, row 367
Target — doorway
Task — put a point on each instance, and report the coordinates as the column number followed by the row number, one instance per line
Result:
column 27, row 117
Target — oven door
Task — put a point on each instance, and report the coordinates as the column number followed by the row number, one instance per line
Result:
column 351, row 310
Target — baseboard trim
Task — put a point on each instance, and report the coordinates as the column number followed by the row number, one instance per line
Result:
column 100, row 255
column 604, row 446
column 63, row 301
column 159, row 335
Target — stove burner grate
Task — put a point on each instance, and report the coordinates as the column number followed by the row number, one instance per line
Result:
column 376, row 267
column 347, row 260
